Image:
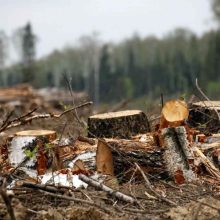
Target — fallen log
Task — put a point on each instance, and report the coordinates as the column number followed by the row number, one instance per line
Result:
column 123, row 124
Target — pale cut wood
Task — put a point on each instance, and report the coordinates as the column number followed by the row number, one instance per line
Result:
column 50, row 135
column 174, row 112
column 104, row 160
column 123, row 124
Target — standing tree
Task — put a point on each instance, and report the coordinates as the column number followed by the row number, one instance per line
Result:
column 26, row 46
column 91, row 47
column 216, row 9
column 3, row 56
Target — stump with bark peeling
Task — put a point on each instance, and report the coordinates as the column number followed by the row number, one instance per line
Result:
column 178, row 155
column 27, row 149
column 123, row 124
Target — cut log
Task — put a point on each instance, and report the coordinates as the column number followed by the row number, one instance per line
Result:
column 27, row 149
column 173, row 114
column 123, row 124
column 203, row 116
column 178, row 155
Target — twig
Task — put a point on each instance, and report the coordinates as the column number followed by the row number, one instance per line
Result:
column 6, row 122
column 79, row 201
column 68, row 81
column 42, row 187
column 7, row 203
column 148, row 184
column 107, row 189
column 26, row 120
column 161, row 100
column 206, row 97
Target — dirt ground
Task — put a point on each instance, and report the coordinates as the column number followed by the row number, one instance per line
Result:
column 191, row 201
column 199, row 200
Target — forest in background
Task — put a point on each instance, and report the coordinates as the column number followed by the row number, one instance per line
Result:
column 133, row 68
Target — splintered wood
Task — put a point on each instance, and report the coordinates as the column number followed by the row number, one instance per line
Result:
column 123, row 124
column 178, row 155
column 104, row 160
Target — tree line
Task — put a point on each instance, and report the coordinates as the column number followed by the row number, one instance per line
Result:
column 130, row 69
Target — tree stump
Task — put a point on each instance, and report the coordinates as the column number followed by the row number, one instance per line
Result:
column 178, row 156
column 123, row 124
column 203, row 116
column 173, row 114
column 27, row 149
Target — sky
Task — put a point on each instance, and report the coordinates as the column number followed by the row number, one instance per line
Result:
column 61, row 22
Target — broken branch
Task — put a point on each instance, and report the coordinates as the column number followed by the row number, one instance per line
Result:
column 107, row 189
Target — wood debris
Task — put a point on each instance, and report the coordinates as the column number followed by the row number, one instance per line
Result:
column 119, row 149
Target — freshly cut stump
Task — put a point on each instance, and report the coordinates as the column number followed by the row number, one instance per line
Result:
column 27, row 149
column 123, row 124
column 173, row 114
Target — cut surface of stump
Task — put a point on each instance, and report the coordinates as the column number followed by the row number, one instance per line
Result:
column 203, row 116
column 173, row 114
column 50, row 135
column 122, row 124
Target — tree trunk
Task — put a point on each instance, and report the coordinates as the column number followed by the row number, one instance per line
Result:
column 123, row 124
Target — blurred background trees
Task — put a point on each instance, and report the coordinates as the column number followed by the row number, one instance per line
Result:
column 132, row 68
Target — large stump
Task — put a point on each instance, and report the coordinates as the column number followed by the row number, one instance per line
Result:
column 123, row 124
column 203, row 116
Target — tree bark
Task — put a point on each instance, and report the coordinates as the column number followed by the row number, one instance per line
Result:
column 123, row 124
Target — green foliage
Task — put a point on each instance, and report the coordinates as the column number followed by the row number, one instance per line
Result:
column 30, row 153
column 132, row 68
